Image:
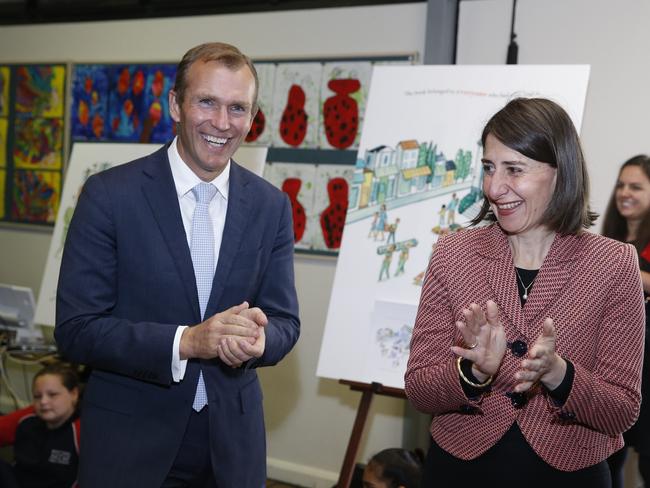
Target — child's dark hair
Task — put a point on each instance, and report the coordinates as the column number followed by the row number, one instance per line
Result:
column 398, row 467
column 68, row 375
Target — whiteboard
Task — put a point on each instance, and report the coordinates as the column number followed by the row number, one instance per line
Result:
column 417, row 177
column 86, row 159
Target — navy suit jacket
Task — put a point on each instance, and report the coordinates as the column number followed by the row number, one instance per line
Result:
column 127, row 282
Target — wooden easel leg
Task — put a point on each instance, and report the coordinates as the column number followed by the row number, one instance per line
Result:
column 355, row 438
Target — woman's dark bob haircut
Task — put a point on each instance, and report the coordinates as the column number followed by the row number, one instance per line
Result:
column 541, row 130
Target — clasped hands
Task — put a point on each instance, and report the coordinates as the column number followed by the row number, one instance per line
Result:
column 486, row 345
column 234, row 336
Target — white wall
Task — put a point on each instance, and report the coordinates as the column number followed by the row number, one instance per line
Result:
column 309, row 420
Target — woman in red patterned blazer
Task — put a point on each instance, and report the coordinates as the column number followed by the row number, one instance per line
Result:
column 627, row 219
column 528, row 341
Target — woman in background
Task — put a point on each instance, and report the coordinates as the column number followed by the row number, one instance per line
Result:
column 628, row 220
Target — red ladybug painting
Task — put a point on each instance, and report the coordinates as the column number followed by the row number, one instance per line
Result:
column 257, row 127
column 293, row 124
column 332, row 219
column 291, row 186
column 341, row 113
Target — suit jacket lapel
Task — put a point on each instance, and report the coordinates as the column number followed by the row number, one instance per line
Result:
column 499, row 274
column 552, row 278
column 160, row 192
column 239, row 206
column 549, row 283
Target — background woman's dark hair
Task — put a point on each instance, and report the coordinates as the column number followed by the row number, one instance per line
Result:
column 542, row 130
column 399, row 467
column 615, row 225
column 68, row 375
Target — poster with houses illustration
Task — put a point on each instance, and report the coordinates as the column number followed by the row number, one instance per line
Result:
column 417, row 177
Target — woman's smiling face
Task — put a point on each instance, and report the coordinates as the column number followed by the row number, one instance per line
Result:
column 518, row 188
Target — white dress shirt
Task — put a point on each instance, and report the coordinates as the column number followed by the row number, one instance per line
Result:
column 184, row 180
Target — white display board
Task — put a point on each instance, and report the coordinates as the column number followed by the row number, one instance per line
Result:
column 417, row 177
column 86, row 159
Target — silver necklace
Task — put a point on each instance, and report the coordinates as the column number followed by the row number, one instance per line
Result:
column 526, row 288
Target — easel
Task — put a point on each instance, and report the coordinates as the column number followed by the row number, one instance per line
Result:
column 367, row 389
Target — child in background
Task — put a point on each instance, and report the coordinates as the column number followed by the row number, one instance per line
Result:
column 394, row 468
column 46, row 447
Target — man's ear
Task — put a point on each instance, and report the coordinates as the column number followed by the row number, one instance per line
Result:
column 174, row 106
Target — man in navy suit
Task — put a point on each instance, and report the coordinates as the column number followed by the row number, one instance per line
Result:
column 128, row 304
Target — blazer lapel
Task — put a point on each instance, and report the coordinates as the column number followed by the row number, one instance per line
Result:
column 499, row 274
column 160, row 192
column 237, row 215
column 553, row 276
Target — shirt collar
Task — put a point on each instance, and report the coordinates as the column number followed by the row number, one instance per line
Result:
column 185, row 179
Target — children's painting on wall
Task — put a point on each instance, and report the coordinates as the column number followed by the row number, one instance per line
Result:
column 38, row 143
column 32, row 128
column 40, row 91
column 35, row 196
column 122, row 102
column 319, row 199
column 297, row 181
column 317, row 108
column 343, row 93
column 296, row 104
column 261, row 132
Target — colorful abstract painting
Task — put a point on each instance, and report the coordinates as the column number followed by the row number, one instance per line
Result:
column 123, row 102
column 38, row 143
column 32, row 131
column 35, row 196
column 40, row 90
column 90, row 88
column 4, row 91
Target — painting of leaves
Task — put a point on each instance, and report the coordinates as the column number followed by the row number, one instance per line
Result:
column 90, row 88
column 35, row 196
column 159, row 80
column 137, row 107
column 40, row 90
column 38, row 143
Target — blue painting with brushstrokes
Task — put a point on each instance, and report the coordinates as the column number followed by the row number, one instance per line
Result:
column 122, row 102
column 90, row 90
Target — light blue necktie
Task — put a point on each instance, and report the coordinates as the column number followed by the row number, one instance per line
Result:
column 202, row 251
